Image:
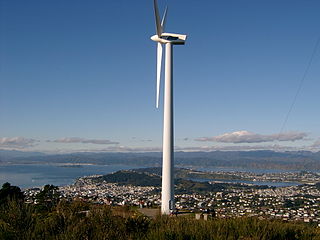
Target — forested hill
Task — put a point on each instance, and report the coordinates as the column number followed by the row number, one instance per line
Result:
column 148, row 177
column 129, row 177
column 298, row 160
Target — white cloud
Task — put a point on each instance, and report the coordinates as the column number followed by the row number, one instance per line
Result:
column 83, row 140
column 134, row 149
column 17, row 142
column 274, row 147
column 250, row 137
column 316, row 144
column 141, row 140
column 118, row 149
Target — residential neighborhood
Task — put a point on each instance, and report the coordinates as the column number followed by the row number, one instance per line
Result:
column 290, row 203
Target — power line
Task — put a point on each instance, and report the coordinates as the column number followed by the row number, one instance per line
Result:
column 300, row 85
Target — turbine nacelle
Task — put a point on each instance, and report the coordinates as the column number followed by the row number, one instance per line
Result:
column 162, row 38
column 173, row 38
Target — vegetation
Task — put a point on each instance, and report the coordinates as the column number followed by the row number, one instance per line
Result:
column 9, row 192
column 149, row 177
column 128, row 177
column 80, row 220
column 47, row 198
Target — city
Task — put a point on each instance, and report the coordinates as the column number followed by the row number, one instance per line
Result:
column 289, row 203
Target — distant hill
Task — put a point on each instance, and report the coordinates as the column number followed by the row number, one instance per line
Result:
column 295, row 160
column 148, row 177
column 7, row 155
column 132, row 178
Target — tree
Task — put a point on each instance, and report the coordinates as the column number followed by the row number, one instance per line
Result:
column 8, row 192
column 47, row 198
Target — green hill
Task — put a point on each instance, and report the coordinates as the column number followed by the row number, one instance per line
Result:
column 128, row 177
column 149, row 177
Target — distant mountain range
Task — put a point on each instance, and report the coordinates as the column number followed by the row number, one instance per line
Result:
column 295, row 160
column 7, row 155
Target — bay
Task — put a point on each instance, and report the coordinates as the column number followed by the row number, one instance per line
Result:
column 38, row 175
column 256, row 171
column 252, row 170
column 259, row 183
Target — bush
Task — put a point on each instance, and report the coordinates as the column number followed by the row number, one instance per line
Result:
column 79, row 220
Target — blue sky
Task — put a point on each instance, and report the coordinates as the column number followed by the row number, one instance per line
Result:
column 80, row 75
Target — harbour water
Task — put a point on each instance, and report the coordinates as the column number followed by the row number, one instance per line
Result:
column 259, row 183
column 37, row 175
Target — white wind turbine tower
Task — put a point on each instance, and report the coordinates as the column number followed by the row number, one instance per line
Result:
column 167, row 39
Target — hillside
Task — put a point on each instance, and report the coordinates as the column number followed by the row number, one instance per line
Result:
column 147, row 177
column 132, row 178
column 68, row 220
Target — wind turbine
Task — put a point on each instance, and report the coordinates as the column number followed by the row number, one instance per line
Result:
column 167, row 39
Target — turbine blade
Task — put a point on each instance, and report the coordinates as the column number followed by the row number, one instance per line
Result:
column 159, row 61
column 164, row 20
column 156, row 13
